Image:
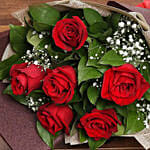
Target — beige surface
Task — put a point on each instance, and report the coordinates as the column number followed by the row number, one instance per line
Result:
column 9, row 6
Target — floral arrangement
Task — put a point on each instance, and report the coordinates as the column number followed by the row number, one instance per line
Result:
column 80, row 71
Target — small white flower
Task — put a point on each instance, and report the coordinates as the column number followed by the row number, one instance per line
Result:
column 36, row 62
column 34, row 32
column 28, row 52
column 144, row 67
column 121, row 24
column 46, row 46
column 56, row 57
column 134, row 26
column 94, row 84
column 91, row 57
column 40, row 36
column 124, row 47
column 118, row 42
column 128, row 23
column 109, row 39
column 121, row 52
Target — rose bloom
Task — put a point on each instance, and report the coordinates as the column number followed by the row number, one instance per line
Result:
column 100, row 123
column 145, row 4
column 59, row 84
column 70, row 33
column 123, row 85
column 25, row 78
column 55, row 117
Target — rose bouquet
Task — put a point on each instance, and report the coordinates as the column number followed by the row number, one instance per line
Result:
column 80, row 72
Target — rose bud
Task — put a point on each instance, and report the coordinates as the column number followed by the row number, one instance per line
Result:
column 70, row 33
column 25, row 78
column 55, row 117
column 123, row 85
column 100, row 123
column 59, row 84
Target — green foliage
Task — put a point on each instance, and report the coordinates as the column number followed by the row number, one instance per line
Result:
column 134, row 125
column 82, row 135
column 100, row 26
column 95, row 50
column 96, row 144
column 93, row 94
column 76, row 97
column 103, row 104
column 47, row 137
column 115, row 18
column 112, row 58
column 146, row 75
column 78, row 107
column 85, row 73
column 121, row 130
column 44, row 15
column 18, row 39
column 83, row 88
column 6, row 65
column 92, row 16
column 33, row 39
column 19, row 98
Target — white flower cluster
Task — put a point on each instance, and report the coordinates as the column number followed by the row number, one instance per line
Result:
column 129, row 42
column 97, row 83
column 144, row 108
column 34, row 104
column 38, row 57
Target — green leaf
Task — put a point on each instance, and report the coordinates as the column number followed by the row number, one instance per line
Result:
column 147, row 95
column 121, row 130
column 103, row 104
column 100, row 26
column 82, row 135
column 47, row 137
column 134, row 125
column 33, row 39
column 95, row 51
column 79, row 109
column 19, row 98
column 115, row 20
column 103, row 68
column 83, row 88
column 86, row 73
column 44, row 14
column 92, row 16
column 102, row 35
column 6, row 65
column 18, row 39
column 41, row 26
column 73, row 130
column 112, row 58
column 93, row 94
column 76, row 97
column 96, row 144
column 37, row 94
column 145, row 72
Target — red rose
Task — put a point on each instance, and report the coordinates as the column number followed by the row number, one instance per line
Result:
column 59, row 84
column 100, row 123
column 70, row 33
column 55, row 117
column 123, row 85
column 25, row 77
column 145, row 4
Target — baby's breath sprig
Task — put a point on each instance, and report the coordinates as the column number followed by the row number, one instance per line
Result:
column 34, row 103
column 129, row 42
column 143, row 108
